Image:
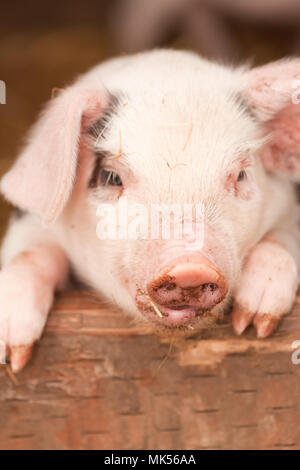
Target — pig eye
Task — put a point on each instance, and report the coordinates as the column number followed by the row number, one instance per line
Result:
column 241, row 176
column 110, row 177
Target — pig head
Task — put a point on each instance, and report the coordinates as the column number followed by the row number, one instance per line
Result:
column 165, row 128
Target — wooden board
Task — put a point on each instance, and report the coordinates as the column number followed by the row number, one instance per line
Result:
column 96, row 381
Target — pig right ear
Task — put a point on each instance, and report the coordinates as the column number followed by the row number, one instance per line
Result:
column 42, row 178
column 274, row 100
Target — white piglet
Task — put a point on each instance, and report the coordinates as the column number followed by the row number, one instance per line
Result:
column 159, row 128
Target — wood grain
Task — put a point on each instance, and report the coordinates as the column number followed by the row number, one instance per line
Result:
column 97, row 381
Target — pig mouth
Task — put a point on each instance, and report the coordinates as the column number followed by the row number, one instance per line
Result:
column 182, row 317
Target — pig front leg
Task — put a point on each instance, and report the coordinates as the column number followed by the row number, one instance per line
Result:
column 267, row 287
column 27, row 285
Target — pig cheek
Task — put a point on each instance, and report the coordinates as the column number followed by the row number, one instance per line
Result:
column 128, row 263
column 134, row 267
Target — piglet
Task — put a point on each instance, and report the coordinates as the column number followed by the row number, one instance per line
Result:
column 159, row 128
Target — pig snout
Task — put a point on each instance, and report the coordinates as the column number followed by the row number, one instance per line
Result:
column 186, row 290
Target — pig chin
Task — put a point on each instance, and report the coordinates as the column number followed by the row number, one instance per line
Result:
column 180, row 318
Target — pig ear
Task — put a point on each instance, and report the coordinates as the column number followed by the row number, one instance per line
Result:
column 42, row 178
column 273, row 94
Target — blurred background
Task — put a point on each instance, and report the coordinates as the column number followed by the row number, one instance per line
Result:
column 44, row 45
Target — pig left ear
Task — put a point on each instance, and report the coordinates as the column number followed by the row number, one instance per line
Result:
column 274, row 97
column 43, row 176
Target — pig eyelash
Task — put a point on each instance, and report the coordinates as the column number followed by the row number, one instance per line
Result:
column 234, row 183
column 104, row 176
column 109, row 178
column 238, row 175
column 241, row 176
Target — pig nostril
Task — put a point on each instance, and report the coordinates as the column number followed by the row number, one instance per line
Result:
column 210, row 286
column 170, row 286
column 165, row 286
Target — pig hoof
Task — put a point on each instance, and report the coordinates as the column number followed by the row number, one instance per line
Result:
column 19, row 356
column 23, row 311
column 266, row 290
